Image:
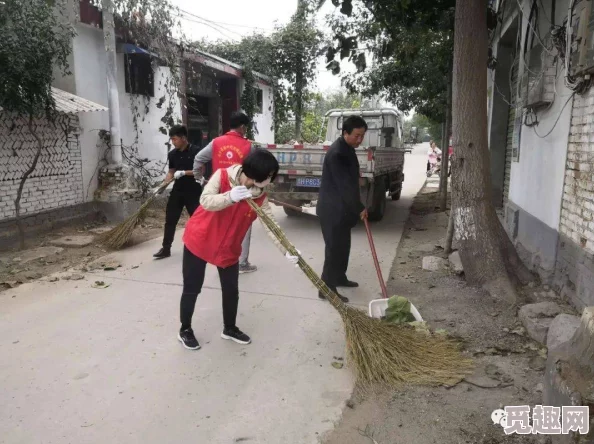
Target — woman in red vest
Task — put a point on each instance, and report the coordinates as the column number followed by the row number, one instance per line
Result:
column 214, row 234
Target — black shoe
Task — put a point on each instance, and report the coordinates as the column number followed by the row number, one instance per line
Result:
column 162, row 253
column 188, row 340
column 348, row 284
column 235, row 334
column 341, row 297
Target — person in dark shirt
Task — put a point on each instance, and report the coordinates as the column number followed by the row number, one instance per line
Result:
column 186, row 191
column 339, row 205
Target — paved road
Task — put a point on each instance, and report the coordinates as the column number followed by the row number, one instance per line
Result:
column 85, row 365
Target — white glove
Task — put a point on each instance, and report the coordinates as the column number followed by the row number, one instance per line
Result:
column 179, row 174
column 239, row 193
column 293, row 259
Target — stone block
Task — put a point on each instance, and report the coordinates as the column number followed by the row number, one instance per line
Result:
column 433, row 263
column 537, row 318
column 73, row 241
column 456, row 263
column 562, row 330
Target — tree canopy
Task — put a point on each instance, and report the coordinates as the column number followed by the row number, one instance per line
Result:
column 410, row 47
column 36, row 39
column 288, row 55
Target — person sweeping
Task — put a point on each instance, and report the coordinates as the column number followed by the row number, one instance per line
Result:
column 214, row 234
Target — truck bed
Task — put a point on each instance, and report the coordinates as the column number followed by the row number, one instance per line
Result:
column 297, row 160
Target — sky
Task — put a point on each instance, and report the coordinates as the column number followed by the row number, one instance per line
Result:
column 230, row 19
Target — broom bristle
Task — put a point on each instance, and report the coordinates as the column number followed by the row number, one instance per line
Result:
column 120, row 235
column 381, row 352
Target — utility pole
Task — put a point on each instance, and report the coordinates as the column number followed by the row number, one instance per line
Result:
column 112, row 87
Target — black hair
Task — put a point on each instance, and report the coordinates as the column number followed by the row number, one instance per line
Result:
column 352, row 122
column 179, row 131
column 260, row 165
column 238, row 119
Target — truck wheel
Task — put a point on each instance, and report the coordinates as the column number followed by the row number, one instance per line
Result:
column 379, row 202
column 292, row 213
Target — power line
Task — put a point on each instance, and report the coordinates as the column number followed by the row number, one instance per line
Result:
column 224, row 23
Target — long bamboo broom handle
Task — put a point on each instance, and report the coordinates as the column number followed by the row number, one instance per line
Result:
column 375, row 261
column 283, row 204
column 307, row 270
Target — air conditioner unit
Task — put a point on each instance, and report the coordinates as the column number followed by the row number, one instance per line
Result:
column 538, row 79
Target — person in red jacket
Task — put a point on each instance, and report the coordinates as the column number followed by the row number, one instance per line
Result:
column 214, row 235
column 229, row 149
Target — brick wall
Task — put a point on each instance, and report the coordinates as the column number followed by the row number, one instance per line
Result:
column 575, row 260
column 57, row 179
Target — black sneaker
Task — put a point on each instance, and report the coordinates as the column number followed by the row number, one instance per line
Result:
column 235, row 334
column 348, row 284
column 247, row 268
column 341, row 297
column 188, row 340
column 162, row 253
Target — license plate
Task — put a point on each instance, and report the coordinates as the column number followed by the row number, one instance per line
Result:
column 309, row 182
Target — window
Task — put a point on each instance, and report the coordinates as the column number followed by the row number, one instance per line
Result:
column 139, row 75
column 259, row 101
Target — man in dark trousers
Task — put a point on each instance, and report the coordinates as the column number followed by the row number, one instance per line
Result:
column 339, row 205
column 186, row 191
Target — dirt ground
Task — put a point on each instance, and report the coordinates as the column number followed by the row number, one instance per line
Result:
column 15, row 269
column 509, row 365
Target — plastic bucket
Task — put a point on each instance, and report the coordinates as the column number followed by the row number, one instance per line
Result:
column 377, row 309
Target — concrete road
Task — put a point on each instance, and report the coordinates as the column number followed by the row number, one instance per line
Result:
column 86, row 365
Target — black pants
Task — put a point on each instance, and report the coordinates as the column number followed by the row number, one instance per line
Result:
column 337, row 238
column 178, row 199
column 193, row 272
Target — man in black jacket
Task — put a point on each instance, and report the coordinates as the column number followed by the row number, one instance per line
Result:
column 186, row 191
column 339, row 203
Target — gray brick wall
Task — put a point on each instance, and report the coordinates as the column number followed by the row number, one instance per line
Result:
column 574, row 274
column 57, row 179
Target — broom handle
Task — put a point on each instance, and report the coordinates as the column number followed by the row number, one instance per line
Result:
column 375, row 261
column 283, row 204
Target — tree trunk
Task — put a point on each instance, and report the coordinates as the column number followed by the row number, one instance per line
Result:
column 488, row 256
column 17, row 201
column 445, row 160
column 299, row 86
column 450, row 233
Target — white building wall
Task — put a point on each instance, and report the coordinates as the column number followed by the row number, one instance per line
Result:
column 89, row 75
column 536, row 183
column 265, row 120
column 56, row 181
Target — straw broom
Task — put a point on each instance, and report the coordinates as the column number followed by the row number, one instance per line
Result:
column 120, row 235
column 380, row 352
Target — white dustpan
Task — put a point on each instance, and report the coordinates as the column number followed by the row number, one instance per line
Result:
column 377, row 309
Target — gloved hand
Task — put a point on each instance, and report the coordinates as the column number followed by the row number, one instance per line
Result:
column 293, row 259
column 179, row 174
column 239, row 193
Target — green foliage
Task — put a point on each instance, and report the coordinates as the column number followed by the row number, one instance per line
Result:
column 35, row 40
column 427, row 129
column 288, row 55
column 248, row 97
column 411, row 45
column 316, row 107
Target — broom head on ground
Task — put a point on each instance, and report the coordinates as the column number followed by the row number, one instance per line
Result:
column 381, row 352
column 119, row 236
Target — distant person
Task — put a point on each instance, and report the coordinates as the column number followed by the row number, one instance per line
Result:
column 434, row 155
column 224, row 151
column 214, row 235
column 339, row 205
column 186, row 191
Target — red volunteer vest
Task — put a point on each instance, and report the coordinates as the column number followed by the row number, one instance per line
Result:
column 216, row 236
column 229, row 149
